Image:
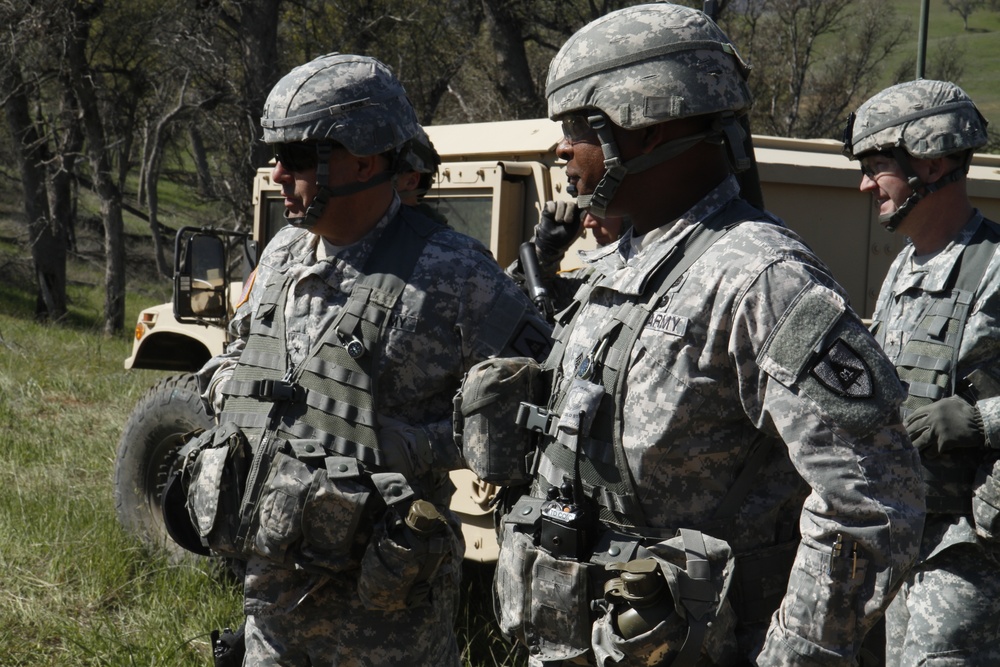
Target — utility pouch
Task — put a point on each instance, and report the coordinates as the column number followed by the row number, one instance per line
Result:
column 311, row 508
column 986, row 500
column 541, row 600
column 486, row 410
column 214, row 470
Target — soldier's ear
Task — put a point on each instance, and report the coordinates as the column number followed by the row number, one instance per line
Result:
column 368, row 166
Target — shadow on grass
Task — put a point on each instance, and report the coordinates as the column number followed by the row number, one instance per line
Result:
column 479, row 638
column 20, row 302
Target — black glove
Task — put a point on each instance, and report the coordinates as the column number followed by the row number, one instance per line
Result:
column 558, row 228
column 950, row 423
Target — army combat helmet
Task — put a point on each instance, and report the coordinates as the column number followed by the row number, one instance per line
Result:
column 644, row 65
column 351, row 100
column 922, row 119
column 420, row 156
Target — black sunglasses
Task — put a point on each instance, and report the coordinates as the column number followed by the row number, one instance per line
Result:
column 296, row 156
column 301, row 155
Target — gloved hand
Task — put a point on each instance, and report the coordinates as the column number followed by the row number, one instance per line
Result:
column 947, row 424
column 216, row 399
column 407, row 449
column 557, row 229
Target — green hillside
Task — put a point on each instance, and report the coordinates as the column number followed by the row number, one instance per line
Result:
column 981, row 46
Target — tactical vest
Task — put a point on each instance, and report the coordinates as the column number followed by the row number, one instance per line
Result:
column 592, row 454
column 331, row 397
column 593, row 518
column 928, row 362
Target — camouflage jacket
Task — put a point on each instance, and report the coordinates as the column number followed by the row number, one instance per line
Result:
column 457, row 309
column 757, row 340
column 909, row 289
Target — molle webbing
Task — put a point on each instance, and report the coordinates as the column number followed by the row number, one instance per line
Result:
column 928, row 362
column 330, row 396
column 599, row 465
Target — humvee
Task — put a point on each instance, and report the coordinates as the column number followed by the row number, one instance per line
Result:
column 491, row 184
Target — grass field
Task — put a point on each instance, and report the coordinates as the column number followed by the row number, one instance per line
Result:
column 76, row 590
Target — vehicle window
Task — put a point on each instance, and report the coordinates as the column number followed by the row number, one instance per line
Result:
column 470, row 215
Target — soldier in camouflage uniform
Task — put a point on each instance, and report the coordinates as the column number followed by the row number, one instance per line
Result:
column 418, row 163
column 938, row 319
column 721, row 475
column 351, row 341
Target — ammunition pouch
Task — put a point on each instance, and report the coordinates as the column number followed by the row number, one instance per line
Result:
column 541, row 600
column 310, row 510
column 311, row 506
column 494, row 446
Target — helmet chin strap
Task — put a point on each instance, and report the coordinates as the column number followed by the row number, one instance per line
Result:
column 325, row 193
column 615, row 170
column 919, row 189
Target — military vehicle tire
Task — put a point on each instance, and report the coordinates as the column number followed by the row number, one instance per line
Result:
column 149, row 442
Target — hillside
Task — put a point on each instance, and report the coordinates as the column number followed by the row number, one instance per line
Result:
column 980, row 44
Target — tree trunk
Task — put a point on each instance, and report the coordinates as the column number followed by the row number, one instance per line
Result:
column 62, row 169
column 205, row 185
column 46, row 236
column 83, row 80
column 259, row 30
column 513, row 73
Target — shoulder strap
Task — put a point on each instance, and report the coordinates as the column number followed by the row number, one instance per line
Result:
column 623, row 330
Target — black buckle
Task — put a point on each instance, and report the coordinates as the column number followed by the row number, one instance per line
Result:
column 279, row 390
column 534, row 418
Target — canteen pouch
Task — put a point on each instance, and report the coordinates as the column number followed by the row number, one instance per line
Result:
column 399, row 567
column 486, row 409
column 541, row 600
column 698, row 571
column 215, row 467
column 311, row 508
column 986, row 500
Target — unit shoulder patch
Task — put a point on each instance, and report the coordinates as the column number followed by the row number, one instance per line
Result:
column 842, row 370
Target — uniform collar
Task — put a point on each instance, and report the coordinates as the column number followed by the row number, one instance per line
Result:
column 935, row 273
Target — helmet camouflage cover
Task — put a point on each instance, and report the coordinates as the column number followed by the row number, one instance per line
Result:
column 927, row 118
column 647, row 64
column 419, row 155
column 353, row 100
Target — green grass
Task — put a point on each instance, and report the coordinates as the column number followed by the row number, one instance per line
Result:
column 76, row 589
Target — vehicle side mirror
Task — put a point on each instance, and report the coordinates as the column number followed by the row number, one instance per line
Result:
column 200, row 276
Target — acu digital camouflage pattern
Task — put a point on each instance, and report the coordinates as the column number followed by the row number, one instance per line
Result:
column 729, row 356
column 353, row 100
column 494, row 446
column 950, row 602
column 450, row 316
column 647, row 64
column 928, row 118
